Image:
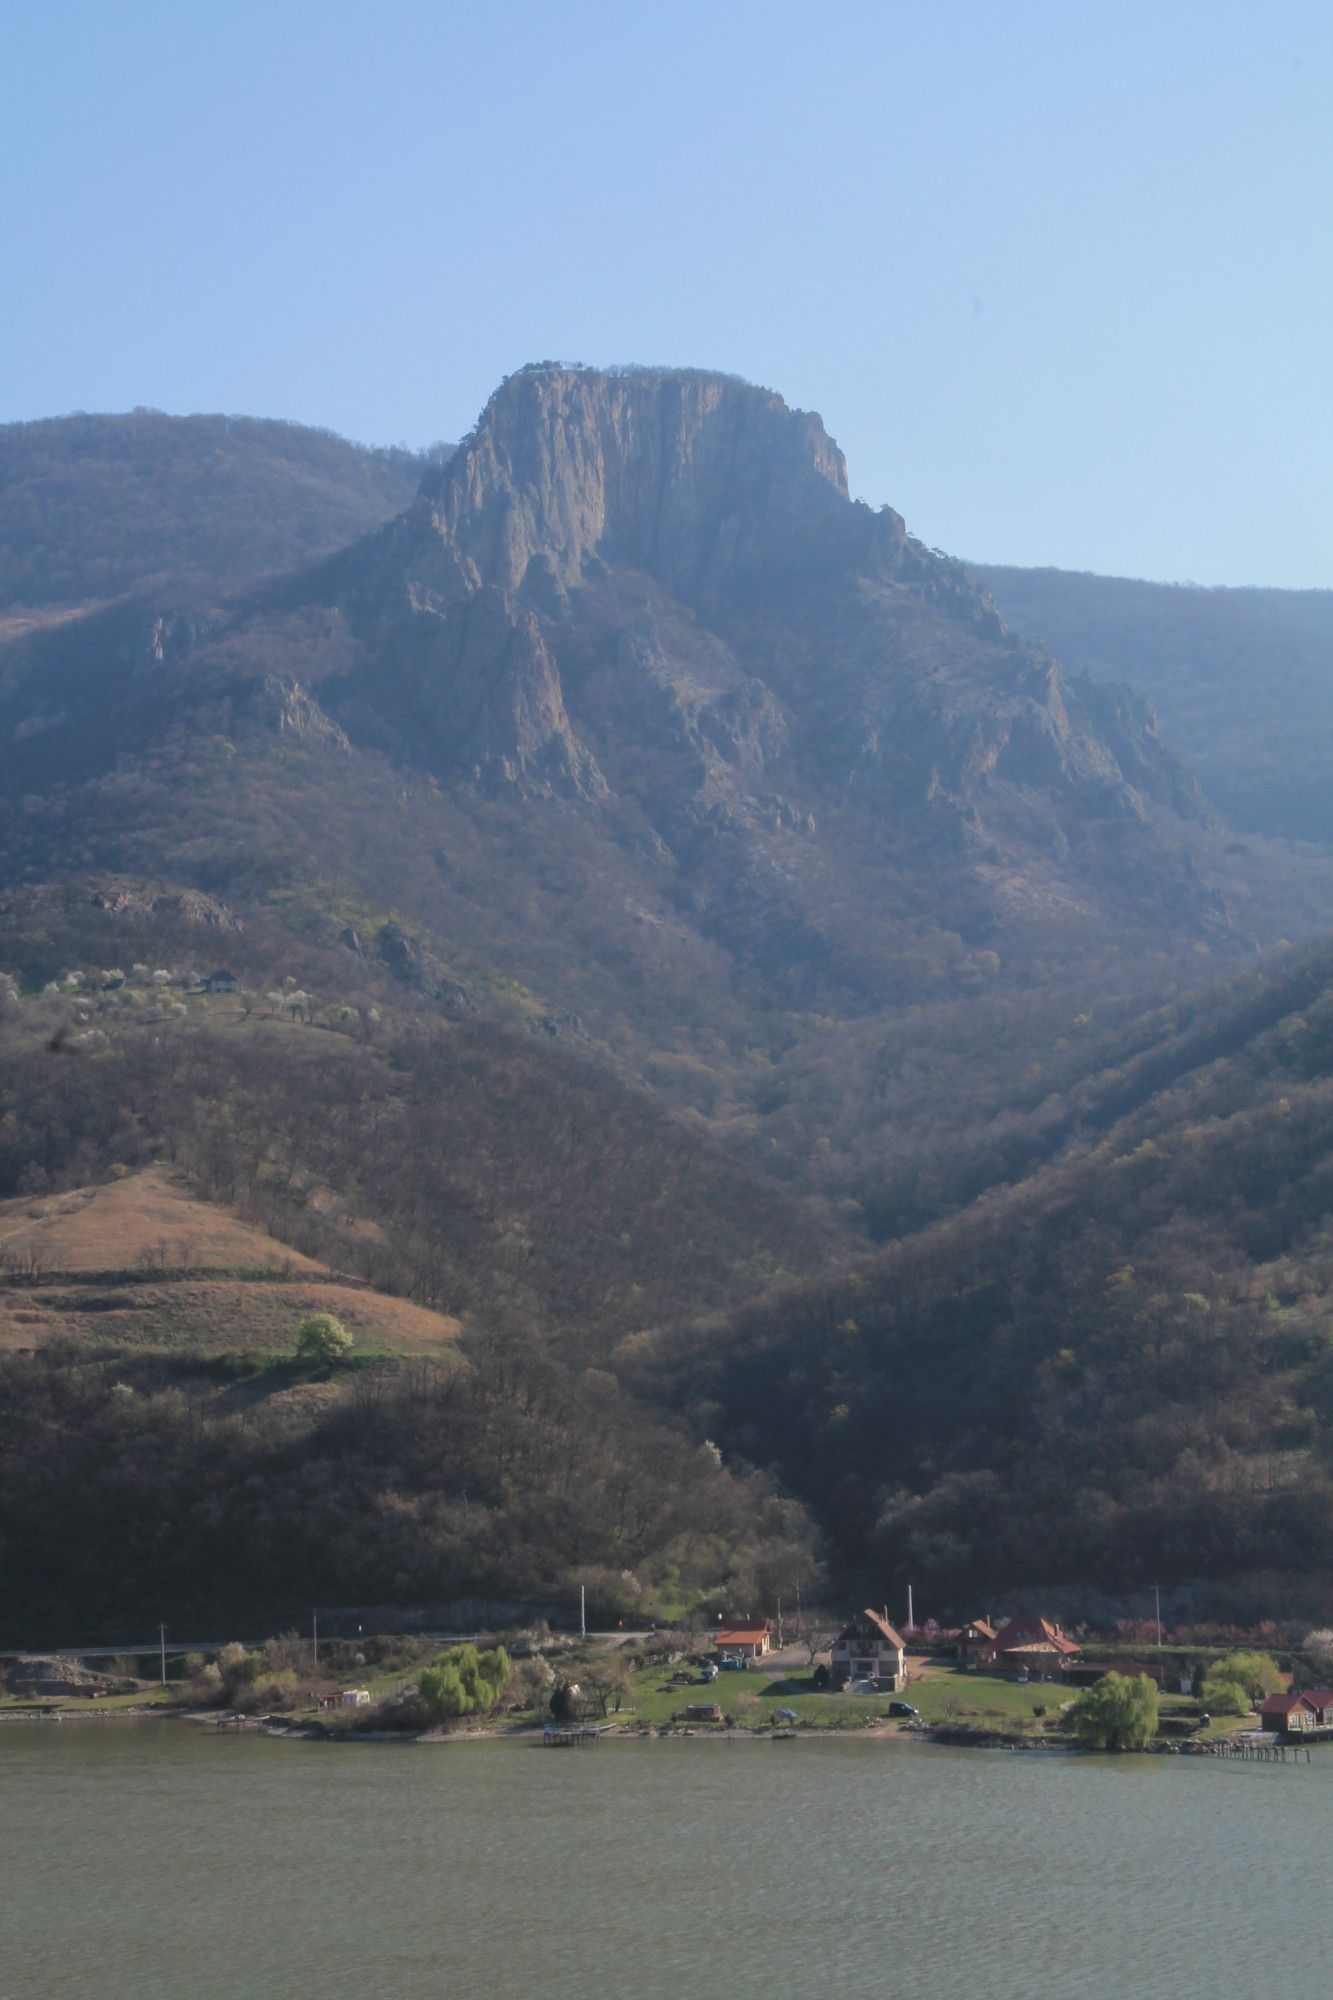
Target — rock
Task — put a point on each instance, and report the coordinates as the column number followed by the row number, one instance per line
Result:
column 39, row 1674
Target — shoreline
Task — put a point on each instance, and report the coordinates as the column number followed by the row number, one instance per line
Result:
column 225, row 1723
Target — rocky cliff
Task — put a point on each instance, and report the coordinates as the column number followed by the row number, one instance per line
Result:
column 648, row 599
column 666, row 552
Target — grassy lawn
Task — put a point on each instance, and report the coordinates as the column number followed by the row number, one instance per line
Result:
column 939, row 1695
column 749, row 1699
column 147, row 1697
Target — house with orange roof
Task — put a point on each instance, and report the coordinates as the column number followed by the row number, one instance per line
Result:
column 745, row 1642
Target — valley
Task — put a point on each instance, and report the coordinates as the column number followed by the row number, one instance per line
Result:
column 783, row 1078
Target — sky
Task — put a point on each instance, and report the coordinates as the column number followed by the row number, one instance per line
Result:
column 1059, row 278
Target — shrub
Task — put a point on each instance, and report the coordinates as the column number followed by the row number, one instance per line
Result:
column 322, row 1337
column 1222, row 1696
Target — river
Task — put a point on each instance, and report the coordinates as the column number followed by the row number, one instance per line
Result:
column 156, row 1861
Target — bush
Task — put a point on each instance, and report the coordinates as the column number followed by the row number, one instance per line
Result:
column 396, row 1652
column 322, row 1337
column 1223, row 1696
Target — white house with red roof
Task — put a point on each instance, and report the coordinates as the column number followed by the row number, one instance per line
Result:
column 869, row 1649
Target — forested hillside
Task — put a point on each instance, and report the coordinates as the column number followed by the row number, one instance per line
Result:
column 91, row 506
column 638, row 906
column 1120, row 1364
column 1242, row 680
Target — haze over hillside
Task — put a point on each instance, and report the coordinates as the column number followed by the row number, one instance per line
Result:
column 1242, row 680
column 91, row 506
column 684, row 935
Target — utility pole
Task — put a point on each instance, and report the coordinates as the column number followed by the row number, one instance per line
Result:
column 800, row 1628
column 583, row 1611
column 909, row 1607
column 779, row 1624
column 1157, row 1592
column 314, row 1634
column 162, row 1645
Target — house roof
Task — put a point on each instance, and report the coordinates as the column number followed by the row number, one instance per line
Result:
column 880, row 1624
column 1319, row 1697
column 977, row 1628
column 1033, row 1635
column 1284, row 1704
column 743, row 1635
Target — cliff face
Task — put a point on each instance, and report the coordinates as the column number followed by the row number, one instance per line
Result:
column 648, row 598
column 694, row 479
column 500, row 615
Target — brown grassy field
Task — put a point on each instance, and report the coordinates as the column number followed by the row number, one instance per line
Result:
column 142, row 1262
column 143, row 1222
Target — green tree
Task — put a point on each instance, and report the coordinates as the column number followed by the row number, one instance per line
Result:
column 322, row 1337
column 464, row 1682
column 1257, row 1673
column 1223, row 1696
column 1116, row 1714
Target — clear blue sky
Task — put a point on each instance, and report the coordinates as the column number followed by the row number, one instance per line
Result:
column 1058, row 277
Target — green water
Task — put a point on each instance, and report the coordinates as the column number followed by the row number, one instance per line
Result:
column 159, row 1862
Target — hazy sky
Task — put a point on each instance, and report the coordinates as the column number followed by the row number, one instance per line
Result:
column 1058, row 277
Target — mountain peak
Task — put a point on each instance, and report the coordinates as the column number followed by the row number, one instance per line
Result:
column 690, row 476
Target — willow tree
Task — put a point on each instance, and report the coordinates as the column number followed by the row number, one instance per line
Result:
column 1116, row 1714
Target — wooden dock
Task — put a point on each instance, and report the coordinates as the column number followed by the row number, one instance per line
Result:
column 568, row 1735
column 1252, row 1751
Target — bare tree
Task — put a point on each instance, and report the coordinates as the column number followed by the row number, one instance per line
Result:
column 1319, row 1647
column 817, row 1636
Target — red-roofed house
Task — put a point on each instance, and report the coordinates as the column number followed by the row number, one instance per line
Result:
column 868, row 1649
column 745, row 1642
column 1321, row 1701
column 1289, row 1714
column 1033, row 1642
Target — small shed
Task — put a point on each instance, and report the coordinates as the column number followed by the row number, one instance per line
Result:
column 354, row 1698
column 222, row 981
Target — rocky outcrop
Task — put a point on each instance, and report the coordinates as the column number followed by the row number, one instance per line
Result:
column 649, row 599
column 699, row 480
column 404, row 956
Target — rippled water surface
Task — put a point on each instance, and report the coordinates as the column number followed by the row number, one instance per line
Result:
column 157, row 1861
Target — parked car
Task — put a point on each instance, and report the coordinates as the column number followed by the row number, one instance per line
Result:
column 902, row 1708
